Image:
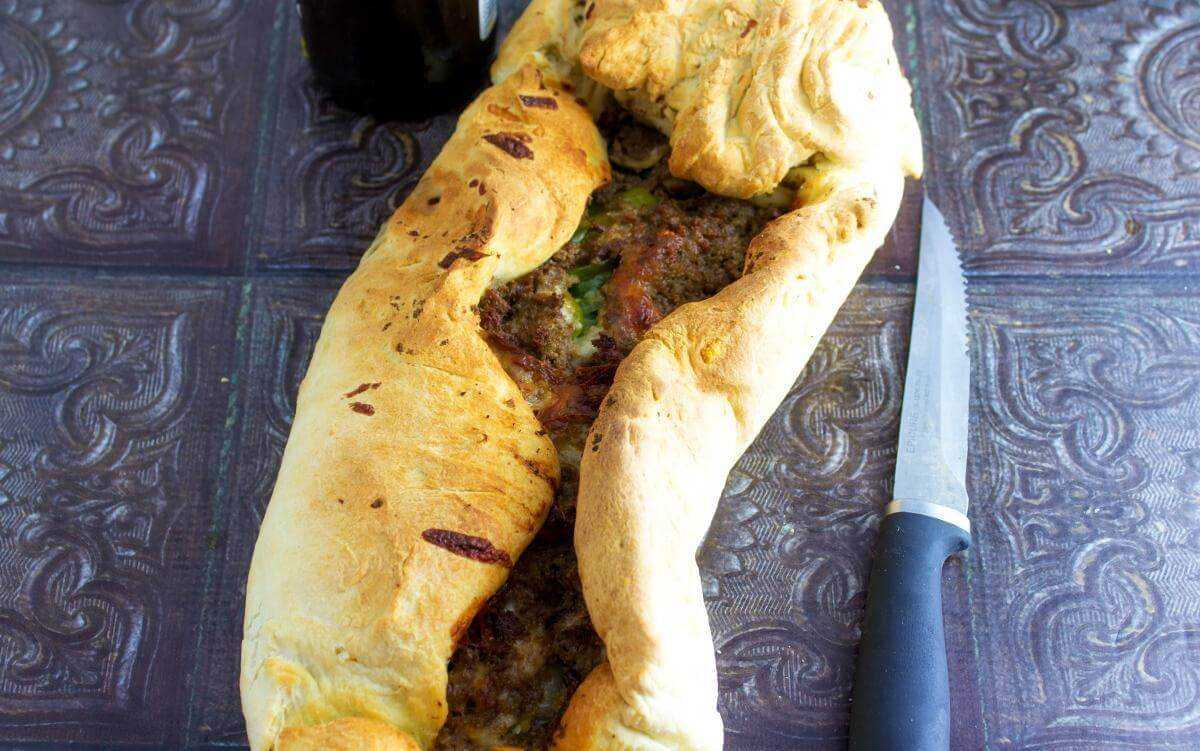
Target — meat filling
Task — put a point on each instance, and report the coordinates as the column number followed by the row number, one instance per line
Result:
column 648, row 244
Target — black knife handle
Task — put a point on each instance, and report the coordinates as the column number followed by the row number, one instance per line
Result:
column 901, row 695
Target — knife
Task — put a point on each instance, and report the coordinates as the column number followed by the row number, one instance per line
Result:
column 901, row 698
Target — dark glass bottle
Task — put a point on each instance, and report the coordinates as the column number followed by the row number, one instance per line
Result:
column 399, row 59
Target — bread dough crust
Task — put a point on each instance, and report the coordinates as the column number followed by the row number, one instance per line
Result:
column 684, row 405
column 746, row 89
column 356, row 593
column 406, row 423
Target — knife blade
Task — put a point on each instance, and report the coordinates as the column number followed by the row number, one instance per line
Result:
column 901, row 692
column 931, row 457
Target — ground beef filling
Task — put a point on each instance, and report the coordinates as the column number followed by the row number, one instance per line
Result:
column 648, row 244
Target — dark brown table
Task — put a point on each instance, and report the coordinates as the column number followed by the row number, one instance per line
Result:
column 178, row 205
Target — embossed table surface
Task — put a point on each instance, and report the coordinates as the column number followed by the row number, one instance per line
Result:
column 178, row 205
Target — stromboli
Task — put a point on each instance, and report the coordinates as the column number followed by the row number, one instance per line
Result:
column 388, row 530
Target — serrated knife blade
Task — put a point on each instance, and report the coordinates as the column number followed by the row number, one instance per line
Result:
column 901, row 698
column 931, row 457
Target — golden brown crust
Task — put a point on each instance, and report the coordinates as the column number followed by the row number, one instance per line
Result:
column 544, row 36
column 352, row 608
column 414, row 468
column 747, row 92
column 547, row 36
column 684, row 405
column 750, row 89
column 346, row 734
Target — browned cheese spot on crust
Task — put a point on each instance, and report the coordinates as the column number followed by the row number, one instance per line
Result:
column 361, row 388
column 544, row 102
column 469, row 254
column 511, row 144
column 362, row 408
column 468, row 546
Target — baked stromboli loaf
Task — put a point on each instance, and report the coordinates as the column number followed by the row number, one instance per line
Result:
column 400, row 506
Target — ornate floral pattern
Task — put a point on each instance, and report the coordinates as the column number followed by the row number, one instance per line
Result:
column 1026, row 109
column 1160, row 115
column 1083, row 578
column 100, row 396
column 32, row 46
column 119, row 126
column 335, row 176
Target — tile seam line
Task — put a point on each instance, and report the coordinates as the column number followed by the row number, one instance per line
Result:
column 231, row 430
column 273, row 95
column 154, row 269
column 1081, row 278
column 58, row 272
column 123, row 272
